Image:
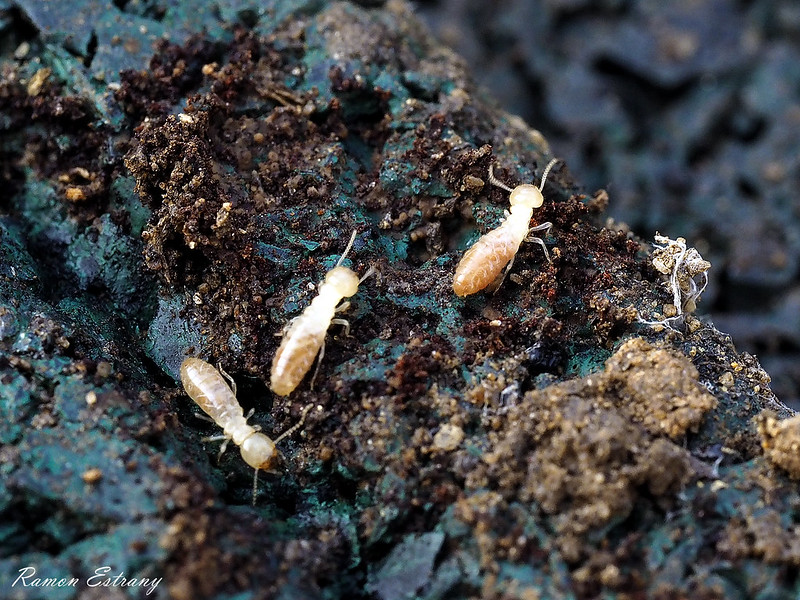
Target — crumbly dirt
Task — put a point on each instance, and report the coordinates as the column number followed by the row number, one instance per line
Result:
column 761, row 532
column 585, row 450
column 657, row 388
column 780, row 440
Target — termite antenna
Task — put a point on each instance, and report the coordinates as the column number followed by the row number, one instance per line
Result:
column 255, row 485
column 286, row 433
column 495, row 181
column 547, row 172
column 296, row 426
column 349, row 245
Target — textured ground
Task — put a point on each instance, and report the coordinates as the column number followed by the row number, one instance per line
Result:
column 185, row 195
column 686, row 111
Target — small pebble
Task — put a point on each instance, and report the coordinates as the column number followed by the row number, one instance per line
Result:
column 448, row 437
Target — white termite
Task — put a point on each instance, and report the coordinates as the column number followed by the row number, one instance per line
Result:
column 204, row 384
column 305, row 336
column 483, row 262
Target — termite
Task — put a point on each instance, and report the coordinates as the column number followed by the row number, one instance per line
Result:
column 204, row 384
column 483, row 262
column 305, row 336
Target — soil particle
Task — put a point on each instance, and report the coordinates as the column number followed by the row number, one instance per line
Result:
column 780, row 440
column 585, row 450
column 658, row 388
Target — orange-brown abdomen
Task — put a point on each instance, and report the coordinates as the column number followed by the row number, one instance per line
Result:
column 484, row 261
column 295, row 355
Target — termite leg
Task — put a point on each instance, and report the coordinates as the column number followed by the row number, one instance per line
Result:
column 532, row 238
column 496, row 285
column 540, row 241
column 371, row 271
column 286, row 326
column 228, row 377
column 345, row 323
column 249, row 414
column 223, row 448
column 342, row 307
column 204, row 417
column 217, row 438
column 546, row 226
column 319, row 362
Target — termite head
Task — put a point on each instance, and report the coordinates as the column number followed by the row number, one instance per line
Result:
column 259, row 452
column 526, row 195
column 344, row 280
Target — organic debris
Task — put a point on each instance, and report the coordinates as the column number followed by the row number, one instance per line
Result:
column 683, row 265
column 780, row 439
